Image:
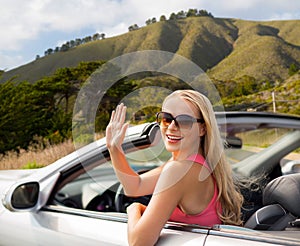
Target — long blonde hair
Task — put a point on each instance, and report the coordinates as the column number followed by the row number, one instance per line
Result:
column 213, row 150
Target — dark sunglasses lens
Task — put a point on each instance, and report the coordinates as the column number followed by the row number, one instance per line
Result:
column 184, row 121
column 164, row 119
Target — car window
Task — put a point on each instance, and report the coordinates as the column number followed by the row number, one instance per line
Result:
column 155, row 155
column 96, row 188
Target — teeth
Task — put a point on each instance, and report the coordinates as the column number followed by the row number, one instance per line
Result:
column 174, row 138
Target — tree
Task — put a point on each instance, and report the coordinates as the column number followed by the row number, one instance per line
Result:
column 96, row 36
column 78, row 41
column 87, row 39
column 72, row 43
column 48, row 51
column 192, row 12
column 64, row 47
column 133, row 27
column 173, row 16
column 181, row 15
column 148, row 22
column 102, row 35
column 203, row 12
column 26, row 114
column 163, row 18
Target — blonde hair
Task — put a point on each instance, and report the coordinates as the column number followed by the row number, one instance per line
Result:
column 213, row 150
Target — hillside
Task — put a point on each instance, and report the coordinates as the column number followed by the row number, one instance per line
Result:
column 225, row 48
column 264, row 50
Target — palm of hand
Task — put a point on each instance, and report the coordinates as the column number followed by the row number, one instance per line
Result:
column 116, row 129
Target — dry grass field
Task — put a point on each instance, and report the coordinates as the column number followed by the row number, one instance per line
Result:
column 36, row 157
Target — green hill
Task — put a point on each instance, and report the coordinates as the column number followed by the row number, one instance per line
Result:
column 264, row 50
column 225, row 48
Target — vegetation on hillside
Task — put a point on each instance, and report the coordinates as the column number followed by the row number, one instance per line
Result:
column 225, row 48
column 97, row 36
column 247, row 61
column 42, row 111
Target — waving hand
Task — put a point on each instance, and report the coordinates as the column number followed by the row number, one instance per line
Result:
column 116, row 129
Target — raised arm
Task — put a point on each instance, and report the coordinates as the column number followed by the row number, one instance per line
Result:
column 133, row 184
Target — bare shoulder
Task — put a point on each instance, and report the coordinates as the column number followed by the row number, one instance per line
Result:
column 173, row 175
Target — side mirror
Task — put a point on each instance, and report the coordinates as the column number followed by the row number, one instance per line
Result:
column 23, row 196
column 233, row 142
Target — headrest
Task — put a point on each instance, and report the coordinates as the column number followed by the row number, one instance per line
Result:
column 285, row 191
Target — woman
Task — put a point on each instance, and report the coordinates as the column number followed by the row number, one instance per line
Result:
column 194, row 186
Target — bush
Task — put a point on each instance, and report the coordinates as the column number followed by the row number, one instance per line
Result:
column 32, row 165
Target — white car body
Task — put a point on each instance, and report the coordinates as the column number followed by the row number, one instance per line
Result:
column 48, row 223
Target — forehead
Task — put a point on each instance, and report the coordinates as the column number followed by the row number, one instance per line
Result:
column 177, row 105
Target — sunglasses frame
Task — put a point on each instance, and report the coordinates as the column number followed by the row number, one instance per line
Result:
column 193, row 120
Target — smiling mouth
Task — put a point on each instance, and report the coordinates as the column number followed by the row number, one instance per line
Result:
column 173, row 138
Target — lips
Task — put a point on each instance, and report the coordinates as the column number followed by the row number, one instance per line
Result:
column 173, row 138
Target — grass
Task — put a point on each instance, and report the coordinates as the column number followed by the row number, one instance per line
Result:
column 36, row 157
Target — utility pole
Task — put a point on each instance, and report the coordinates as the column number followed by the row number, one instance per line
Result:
column 273, row 101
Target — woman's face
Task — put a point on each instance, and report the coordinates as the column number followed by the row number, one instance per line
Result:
column 186, row 141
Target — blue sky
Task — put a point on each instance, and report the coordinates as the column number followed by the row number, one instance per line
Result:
column 28, row 28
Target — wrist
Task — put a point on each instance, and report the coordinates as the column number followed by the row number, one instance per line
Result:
column 114, row 148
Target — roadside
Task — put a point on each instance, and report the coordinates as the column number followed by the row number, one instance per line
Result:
column 36, row 157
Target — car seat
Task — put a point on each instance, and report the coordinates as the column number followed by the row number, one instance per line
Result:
column 281, row 205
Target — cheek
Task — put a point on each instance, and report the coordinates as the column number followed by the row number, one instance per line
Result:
column 193, row 135
column 163, row 133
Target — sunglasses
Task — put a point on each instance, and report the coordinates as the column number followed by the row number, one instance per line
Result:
column 182, row 121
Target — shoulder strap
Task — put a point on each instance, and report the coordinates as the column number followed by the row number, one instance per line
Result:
column 199, row 159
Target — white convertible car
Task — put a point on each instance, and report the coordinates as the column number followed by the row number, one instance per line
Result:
column 78, row 201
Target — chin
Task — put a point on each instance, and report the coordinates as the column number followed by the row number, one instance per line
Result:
column 172, row 148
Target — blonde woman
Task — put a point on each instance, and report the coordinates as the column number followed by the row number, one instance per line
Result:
column 195, row 186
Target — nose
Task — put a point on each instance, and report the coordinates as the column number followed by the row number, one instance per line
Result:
column 172, row 125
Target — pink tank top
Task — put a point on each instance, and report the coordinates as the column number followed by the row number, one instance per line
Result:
column 209, row 216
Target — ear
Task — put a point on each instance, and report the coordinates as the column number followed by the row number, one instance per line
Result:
column 202, row 130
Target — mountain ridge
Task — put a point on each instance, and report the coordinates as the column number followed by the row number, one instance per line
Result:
column 223, row 47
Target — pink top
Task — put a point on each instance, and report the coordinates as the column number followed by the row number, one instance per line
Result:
column 209, row 216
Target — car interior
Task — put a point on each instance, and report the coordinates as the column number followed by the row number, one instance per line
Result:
column 272, row 195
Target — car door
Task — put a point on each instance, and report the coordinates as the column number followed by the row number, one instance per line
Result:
column 58, row 227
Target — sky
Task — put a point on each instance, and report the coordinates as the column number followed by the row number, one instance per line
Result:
column 29, row 28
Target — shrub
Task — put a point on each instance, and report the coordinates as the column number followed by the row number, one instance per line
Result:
column 32, row 165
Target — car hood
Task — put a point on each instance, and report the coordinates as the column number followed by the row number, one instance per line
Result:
column 8, row 177
column 14, row 175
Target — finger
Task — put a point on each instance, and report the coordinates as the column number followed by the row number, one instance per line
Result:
column 112, row 116
column 124, row 129
column 123, row 114
column 118, row 112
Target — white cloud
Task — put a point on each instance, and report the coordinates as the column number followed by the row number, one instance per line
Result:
column 10, row 61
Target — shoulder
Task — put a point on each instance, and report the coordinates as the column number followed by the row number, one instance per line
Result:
column 179, row 169
column 173, row 175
